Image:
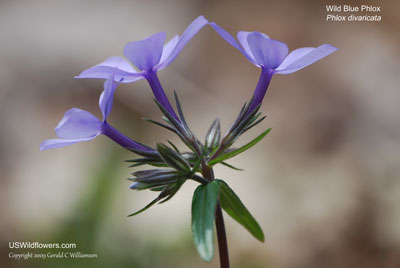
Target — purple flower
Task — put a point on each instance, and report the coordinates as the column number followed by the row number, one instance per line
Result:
column 149, row 56
column 272, row 56
column 78, row 125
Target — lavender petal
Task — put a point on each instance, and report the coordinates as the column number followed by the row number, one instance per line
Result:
column 107, row 96
column 190, row 31
column 118, row 62
column 146, row 54
column 168, row 48
column 267, row 52
column 302, row 57
column 242, row 37
column 57, row 143
column 78, row 124
column 104, row 72
column 227, row 36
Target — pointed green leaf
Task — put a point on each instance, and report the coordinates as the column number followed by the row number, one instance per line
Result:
column 204, row 202
column 231, row 203
column 239, row 150
column 145, row 208
column 162, row 195
column 230, row 166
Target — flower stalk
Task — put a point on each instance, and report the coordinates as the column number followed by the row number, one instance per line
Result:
column 219, row 226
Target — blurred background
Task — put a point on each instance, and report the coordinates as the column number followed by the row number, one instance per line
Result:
column 324, row 185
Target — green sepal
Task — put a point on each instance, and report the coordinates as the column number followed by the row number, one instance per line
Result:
column 232, row 204
column 181, row 116
column 254, row 122
column 204, row 203
column 239, row 150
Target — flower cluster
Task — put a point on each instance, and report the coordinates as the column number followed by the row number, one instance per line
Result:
column 174, row 167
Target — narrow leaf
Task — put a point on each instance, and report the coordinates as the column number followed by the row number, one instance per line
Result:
column 204, row 203
column 159, row 178
column 174, row 146
column 239, row 150
column 232, row 204
column 172, row 190
column 144, row 185
column 230, row 166
column 167, row 192
column 163, row 194
column 145, row 208
column 146, row 161
column 173, row 159
column 150, row 172
column 160, row 124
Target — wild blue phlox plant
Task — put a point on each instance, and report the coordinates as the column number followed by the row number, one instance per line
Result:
column 170, row 166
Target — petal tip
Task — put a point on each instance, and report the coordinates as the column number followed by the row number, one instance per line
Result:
column 43, row 147
column 202, row 19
